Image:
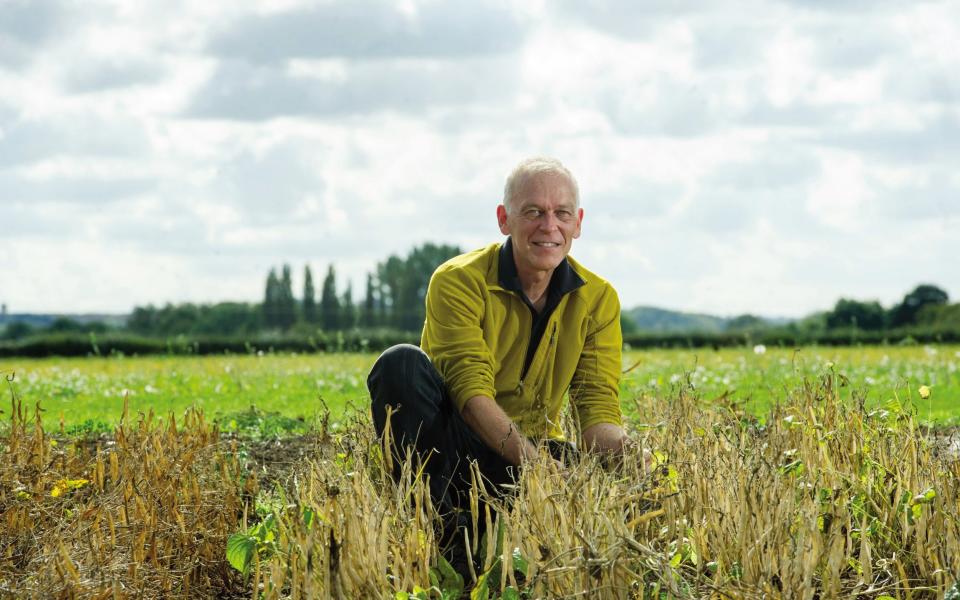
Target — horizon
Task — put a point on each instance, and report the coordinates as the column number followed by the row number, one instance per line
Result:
column 726, row 316
column 768, row 158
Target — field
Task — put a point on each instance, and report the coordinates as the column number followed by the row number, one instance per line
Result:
column 819, row 473
column 88, row 393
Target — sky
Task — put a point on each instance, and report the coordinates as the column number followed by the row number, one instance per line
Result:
column 744, row 157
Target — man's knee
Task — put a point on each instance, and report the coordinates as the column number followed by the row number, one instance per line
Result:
column 393, row 370
column 405, row 386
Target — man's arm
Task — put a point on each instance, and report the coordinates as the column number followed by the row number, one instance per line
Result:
column 485, row 417
column 612, row 439
column 606, row 437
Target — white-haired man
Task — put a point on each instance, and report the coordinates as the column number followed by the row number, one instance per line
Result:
column 510, row 328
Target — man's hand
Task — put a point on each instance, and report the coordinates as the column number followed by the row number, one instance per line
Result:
column 485, row 417
column 611, row 439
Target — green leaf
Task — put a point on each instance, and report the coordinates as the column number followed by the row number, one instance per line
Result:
column 481, row 591
column 420, row 593
column 240, row 549
column 519, row 562
column 926, row 497
column 309, row 515
column 954, row 592
column 401, row 596
column 510, row 593
column 450, row 580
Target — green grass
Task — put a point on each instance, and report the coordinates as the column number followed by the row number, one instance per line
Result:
column 875, row 374
column 88, row 393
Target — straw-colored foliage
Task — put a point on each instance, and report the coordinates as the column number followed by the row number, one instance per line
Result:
column 822, row 499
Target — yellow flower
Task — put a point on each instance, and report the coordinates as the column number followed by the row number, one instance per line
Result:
column 65, row 485
column 924, row 392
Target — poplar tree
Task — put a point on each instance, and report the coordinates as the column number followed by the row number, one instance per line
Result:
column 286, row 305
column 271, row 297
column 348, row 313
column 329, row 303
column 309, row 297
column 368, row 316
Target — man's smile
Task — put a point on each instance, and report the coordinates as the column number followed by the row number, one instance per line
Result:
column 546, row 244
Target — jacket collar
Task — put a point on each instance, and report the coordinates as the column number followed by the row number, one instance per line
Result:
column 563, row 281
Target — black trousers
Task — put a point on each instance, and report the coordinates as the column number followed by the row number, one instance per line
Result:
column 424, row 420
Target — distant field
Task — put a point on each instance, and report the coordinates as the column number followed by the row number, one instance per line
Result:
column 88, row 392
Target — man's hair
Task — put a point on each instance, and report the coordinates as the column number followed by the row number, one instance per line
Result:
column 535, row 167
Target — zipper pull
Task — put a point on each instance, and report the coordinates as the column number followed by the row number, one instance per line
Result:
column 520, row 387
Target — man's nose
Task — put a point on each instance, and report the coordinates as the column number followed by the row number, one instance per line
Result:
column 549, row 222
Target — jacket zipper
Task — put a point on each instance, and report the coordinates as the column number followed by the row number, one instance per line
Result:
column 553, row 338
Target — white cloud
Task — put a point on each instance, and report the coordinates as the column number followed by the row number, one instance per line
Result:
column 767, row 161
column 839, row 195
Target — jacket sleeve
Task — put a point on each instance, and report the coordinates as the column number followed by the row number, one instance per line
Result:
column 453, row 335
column 595, row 388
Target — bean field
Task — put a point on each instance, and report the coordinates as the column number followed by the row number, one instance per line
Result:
column 810, row 473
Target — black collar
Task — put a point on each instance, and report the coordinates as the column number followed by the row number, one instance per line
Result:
column 563, row 281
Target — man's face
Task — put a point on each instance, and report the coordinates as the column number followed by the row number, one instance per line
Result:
column 543, row 222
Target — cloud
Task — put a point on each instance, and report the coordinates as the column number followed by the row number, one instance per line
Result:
column 722, row 154
column 370, row 29
column 72, row 190
column 27, row 25
column 241, row 91
column 23, row 219
column 97, row 76
column 934, row 197
column 268, row 186
column 937, row 139
column 629, row 19
column 25, row 140
column 855, row 7
column 775, row 165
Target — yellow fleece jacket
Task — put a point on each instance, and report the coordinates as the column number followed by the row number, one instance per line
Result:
column 477, row 334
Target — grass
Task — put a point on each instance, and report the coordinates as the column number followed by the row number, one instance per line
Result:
column 757, row 379
column 87, row 393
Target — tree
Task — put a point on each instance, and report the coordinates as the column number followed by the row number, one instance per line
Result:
column 868, row 316
column 286, row 304
column 403, row 283
column 368, row 315
column 16, row 331
column 271, row 300
column 746, row 323
column 64, row 325
column 348, row 312
column 923, row 295
column 309, row 298
column 418, row 268
column 627, row 325
column 329, row 303
column 944, row 315
column 226, row 318
column 390, row 274
column 143, row 320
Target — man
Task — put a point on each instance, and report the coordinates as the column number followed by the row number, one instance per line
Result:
column 509, row 329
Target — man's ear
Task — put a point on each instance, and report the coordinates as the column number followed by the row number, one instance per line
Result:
column 576, row 232
column 502, row 219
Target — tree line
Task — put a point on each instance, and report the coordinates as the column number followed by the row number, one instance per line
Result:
column 924, row 306
column 393, row 299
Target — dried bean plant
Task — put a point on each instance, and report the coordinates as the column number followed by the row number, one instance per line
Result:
column 821, row 498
